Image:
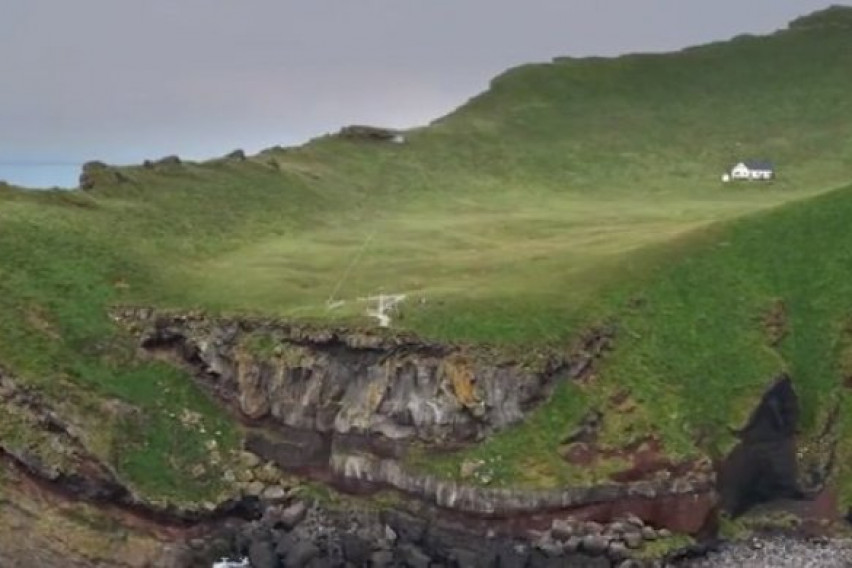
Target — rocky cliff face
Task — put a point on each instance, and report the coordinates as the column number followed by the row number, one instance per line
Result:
column 360, row 383
column 344, row 407
column 349, row 405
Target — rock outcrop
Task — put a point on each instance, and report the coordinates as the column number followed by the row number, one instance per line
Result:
column 370, row 133
column 348, row 404
column 763, row 466
column 95, row 174
column 695, row 490
column 164, row 163
column 341, row 382
column 344, row 407
column 237, row 155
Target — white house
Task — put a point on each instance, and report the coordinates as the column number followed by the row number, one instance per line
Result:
column 753, row 170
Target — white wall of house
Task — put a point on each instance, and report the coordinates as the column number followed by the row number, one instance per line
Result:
column 742, row 171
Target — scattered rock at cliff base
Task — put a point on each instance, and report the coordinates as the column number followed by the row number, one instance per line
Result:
column 345, row 536
column 293, row 514
column 763, row 465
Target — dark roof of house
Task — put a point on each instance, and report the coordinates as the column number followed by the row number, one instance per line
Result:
column 759, row 165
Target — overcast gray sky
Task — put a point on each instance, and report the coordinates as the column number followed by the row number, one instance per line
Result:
column 123, row 80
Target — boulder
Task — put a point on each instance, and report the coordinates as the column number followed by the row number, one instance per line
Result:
column 509, row 556
column 355, row 549
column 594, row 544
column 473, row 558
column 572, row 544
column 284, row 542
column 550, row 547
column 407, row 527
column 293, row 514
column 249, row 460
column 269, row 473
column 591, row 527
column 561, row 529
column 617, row 551
column 633, row 540
column 413, row 557
column 619, row 528
column 261, row 554
column 648, row 533
column 300, row 554
column 390, row 534
column 274, row 493
column 382, row 559
column 539, row 559
column 254, row 488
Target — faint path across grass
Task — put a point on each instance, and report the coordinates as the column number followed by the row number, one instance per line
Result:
column 465, row 258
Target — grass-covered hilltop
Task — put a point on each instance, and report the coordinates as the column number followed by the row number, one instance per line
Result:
column 569, row 195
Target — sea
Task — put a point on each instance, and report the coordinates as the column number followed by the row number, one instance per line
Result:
column 40, row 175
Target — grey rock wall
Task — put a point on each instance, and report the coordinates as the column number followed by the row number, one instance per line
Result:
column 361, row 383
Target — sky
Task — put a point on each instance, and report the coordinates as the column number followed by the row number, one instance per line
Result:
column 122, row 81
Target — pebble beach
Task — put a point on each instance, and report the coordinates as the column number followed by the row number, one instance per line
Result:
column 781, row 552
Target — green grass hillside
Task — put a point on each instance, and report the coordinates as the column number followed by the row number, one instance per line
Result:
column 699, row 340
column 518, row 218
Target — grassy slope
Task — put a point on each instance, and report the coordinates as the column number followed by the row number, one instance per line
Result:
column 556, row 173
column 693, row 349
column 509, row 216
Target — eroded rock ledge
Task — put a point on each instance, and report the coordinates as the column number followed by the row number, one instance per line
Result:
column 346, row 405
column 679, row 504
column 346, row 382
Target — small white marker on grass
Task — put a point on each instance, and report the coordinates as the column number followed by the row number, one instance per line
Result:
column 384, row 304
